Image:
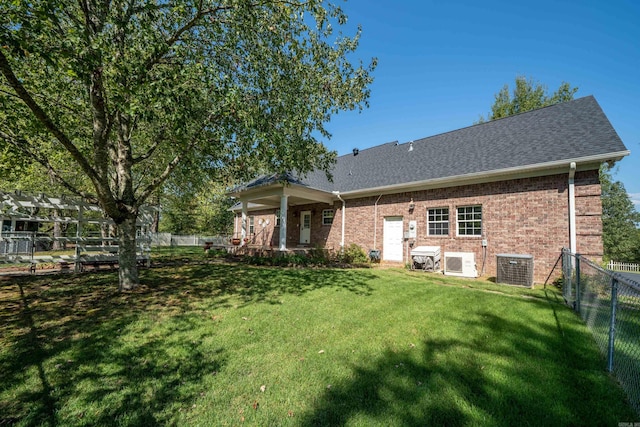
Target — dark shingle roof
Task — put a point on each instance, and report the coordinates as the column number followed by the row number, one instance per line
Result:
column 566, row 131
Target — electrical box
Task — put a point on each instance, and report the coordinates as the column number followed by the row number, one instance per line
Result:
column 413, row 229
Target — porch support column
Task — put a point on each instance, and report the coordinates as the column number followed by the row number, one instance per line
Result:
column 243, row 230
column 284, row 199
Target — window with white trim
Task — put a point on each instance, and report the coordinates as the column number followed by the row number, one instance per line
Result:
column 327, row 216
column 277, row 223
column 438, row 222
column 251, row 225
column 469, row 220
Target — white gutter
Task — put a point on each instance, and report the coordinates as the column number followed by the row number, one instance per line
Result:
column 572, row 208
column 337, row 193
column 375, row 222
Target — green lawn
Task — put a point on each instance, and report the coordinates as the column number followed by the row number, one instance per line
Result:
column 211, row 343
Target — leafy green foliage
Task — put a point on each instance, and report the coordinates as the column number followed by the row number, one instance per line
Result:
column 353, row 254
column 112, row 98
column 527, row 95
column 620, row 235
column 203, row 210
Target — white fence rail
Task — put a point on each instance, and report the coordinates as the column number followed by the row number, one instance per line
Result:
column 623, row 266
column 168, row 239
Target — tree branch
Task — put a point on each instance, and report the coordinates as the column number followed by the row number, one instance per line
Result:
column 153, row 60
column 172, row 164
column 23, row 146
column 150, row 151
column 39, row 113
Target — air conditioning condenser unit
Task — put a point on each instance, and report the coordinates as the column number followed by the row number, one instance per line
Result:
column 461, row 264
column 515, row 269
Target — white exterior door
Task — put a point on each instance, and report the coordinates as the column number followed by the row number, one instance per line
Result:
column 305, row 227
column 392, row 239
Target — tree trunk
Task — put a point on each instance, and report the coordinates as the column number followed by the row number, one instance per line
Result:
column 127, row 262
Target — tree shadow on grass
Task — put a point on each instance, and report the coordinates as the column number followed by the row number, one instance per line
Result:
column 93, row 363
column 236, row 284
column 506, row 372
column 72, row 346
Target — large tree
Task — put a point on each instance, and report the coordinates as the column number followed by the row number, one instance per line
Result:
column 620, row 235
column 527, row 95
column 115, row 95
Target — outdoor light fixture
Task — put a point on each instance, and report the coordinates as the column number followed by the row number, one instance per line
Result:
column 411, row 205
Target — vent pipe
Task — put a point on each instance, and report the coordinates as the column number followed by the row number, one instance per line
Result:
column 355, row 151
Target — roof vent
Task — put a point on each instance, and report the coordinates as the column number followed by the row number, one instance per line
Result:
column 355, row 151
column 411, row 146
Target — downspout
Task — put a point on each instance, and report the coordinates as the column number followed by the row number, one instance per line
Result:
column 572, row 208
column 337, row 193
column 375, row 223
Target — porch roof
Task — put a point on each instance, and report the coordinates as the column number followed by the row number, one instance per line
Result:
column 266, row 192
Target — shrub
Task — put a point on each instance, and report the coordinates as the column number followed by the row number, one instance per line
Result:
column 353, row 254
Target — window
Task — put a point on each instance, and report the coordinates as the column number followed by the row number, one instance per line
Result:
column 438, row 222
column 277, row 224
column 251, row 225
column 327, row 217
column 470, row 221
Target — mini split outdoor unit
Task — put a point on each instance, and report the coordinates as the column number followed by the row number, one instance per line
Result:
column 461, row 264
column 515, row 269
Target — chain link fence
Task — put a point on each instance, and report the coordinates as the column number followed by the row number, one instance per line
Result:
column 609, row 303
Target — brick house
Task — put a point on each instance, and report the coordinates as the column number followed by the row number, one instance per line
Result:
column 525, row 184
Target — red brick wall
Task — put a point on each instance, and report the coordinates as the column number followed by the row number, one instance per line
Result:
column 521, row 216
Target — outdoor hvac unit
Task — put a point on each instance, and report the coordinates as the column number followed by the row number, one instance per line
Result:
column 515, row 269
column 425, row 258
column 461, row 264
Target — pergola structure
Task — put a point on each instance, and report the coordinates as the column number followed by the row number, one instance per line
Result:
column 22, row 239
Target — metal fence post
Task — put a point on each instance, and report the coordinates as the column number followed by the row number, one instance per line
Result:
column 566, row 267
column 578, row 293
column 612, row 326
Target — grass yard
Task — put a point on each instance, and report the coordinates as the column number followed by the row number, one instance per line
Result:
column 216, row 344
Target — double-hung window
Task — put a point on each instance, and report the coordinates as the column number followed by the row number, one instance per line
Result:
column 470, row 220
column 438, row 222
column 277, row 223
column 251, row 225
column 327, row 216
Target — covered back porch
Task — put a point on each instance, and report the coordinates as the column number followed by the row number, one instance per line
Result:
column 284, row 216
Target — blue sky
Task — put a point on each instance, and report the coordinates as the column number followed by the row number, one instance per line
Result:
column 441, row 63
